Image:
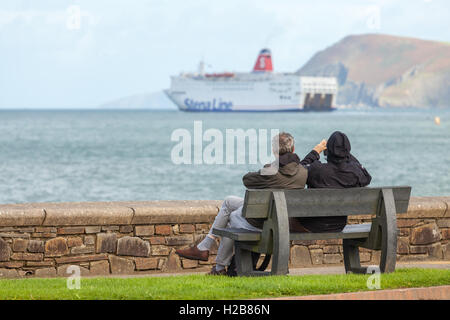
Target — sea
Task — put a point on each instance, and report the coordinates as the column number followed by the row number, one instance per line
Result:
column 121, row 155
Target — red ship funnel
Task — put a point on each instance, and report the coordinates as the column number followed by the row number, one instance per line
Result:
column 264, row 61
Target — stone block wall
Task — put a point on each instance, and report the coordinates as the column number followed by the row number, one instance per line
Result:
column 104, row 238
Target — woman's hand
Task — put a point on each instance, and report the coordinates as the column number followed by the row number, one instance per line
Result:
column 321, row 146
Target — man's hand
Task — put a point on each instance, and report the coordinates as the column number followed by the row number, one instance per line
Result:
column 321, row 146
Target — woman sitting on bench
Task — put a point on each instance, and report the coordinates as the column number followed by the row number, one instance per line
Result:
column 342, row 170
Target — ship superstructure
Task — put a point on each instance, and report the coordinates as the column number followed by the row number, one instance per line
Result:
column 260, row 90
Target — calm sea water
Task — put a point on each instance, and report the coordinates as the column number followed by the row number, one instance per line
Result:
column 126, row 155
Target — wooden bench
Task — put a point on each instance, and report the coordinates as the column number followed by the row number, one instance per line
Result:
column 275, row 207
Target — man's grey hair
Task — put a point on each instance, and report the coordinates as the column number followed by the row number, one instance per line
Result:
column 283, row 143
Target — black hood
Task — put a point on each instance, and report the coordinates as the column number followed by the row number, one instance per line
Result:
column 338, row 147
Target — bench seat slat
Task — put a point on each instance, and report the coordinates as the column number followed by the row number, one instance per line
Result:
column 238, row 234
column 351, row 231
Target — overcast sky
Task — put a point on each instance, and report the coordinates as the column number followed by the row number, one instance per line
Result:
column 79, row 54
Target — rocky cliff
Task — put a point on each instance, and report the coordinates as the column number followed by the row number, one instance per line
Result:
column 386, row 71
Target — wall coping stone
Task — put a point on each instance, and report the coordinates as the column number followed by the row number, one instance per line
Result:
column 426, row 207
column 157, row 212
column 108, row 213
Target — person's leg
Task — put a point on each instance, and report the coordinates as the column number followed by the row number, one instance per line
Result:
column 226, row 248
column 224, row 253
column 230, row 204
column 296, row 226
column 238, row 221
column 201, row 251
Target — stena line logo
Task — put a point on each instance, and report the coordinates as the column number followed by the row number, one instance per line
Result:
column 214, row 104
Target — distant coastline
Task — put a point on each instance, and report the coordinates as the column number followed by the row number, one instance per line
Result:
column 367, row 109
column 373, row 70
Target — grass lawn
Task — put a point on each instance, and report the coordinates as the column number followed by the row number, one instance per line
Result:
column 214, row 287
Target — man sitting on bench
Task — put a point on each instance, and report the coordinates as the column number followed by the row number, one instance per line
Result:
column 290, row 175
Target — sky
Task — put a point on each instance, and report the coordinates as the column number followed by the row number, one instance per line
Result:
column 82, row 53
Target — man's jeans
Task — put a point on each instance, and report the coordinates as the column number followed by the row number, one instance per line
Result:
column 230, row 216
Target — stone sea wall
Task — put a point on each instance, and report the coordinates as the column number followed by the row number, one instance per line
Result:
column 131, row 238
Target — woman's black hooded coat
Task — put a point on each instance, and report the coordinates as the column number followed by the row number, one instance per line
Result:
column 342, row 170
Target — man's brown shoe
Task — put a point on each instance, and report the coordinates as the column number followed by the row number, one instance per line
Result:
column 193, row 253
column 214, row 272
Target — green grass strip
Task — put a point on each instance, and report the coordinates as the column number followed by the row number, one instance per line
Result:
column 203, row 287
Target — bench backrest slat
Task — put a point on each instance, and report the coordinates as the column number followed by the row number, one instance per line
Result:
column 325, row 202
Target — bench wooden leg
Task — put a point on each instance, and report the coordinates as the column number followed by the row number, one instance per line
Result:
column 351, row 258
column 280, row 235
column 280, row 259
column 244, row 262
column 388, row 233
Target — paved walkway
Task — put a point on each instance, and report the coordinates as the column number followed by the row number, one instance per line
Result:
column 301, row 271
column 341, row 269
column 430, row 293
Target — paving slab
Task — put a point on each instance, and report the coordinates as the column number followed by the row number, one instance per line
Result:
column 429, row 293
column 341, row 269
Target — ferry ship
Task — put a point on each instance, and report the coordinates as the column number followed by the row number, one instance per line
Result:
column 259, row 90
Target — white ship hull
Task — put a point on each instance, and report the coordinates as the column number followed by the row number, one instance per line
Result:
column 253, row 92
column 260, row 90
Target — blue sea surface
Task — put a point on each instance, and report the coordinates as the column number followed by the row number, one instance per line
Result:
column 106, row 155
